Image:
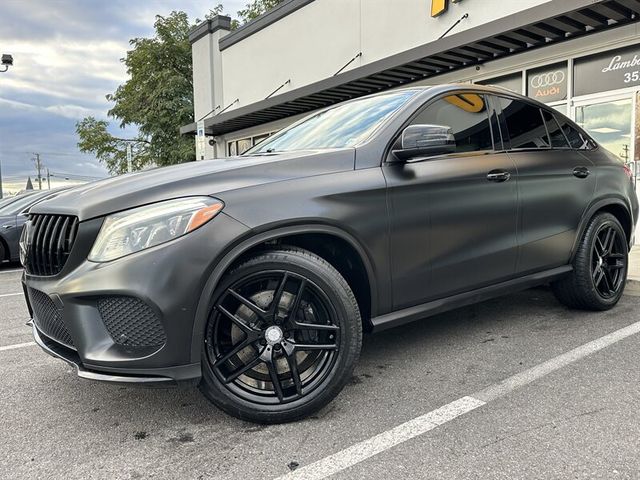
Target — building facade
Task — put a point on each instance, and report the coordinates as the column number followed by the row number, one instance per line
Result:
column 580, row 56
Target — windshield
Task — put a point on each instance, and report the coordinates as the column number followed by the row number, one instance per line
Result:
column 342, row 126
column 23, row 202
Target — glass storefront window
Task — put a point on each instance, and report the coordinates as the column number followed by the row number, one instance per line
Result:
column 609, row 123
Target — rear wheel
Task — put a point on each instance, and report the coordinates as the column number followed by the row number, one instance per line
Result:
column 599, row 268
column 282, row 339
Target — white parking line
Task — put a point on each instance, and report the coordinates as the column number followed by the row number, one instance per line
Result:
column 16, row 345
column 10, row 271
column 406, row 431
column 11, row 294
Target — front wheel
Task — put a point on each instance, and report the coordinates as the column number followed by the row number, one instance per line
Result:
column 282, row 339
column 599, row 267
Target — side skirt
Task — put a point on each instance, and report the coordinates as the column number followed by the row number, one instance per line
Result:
column 418, row 312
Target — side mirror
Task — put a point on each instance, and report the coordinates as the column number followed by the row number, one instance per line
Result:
column 425, row 140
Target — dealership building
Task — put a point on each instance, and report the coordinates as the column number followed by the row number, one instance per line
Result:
column 580, row 56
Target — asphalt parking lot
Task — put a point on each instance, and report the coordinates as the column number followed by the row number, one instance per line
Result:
column 569, row 407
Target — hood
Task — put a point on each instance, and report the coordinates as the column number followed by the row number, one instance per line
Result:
column 207, row 177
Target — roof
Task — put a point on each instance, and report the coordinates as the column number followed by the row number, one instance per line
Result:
column 536, row 27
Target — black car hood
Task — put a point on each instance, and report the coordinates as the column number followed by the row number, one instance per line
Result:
column 207, row 177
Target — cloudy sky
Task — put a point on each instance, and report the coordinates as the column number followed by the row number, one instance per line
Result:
column 67, row 58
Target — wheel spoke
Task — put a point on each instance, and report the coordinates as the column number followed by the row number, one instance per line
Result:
column 315, row 346
column 248, row 303
column 616, row 266
column 599, row 246
column 296, row 302
column 240, row 323
column 607, row 281
column 316, row 326
column 277, row 296
column 295, row 375
column 273, row 373
column 609, row 240
column 242, row 370
column 616, row 256
column 598, row 275
column 237, row 349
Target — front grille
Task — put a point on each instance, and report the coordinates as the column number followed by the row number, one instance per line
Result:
column 48, row 318
column 131, row 322
column 50, row 239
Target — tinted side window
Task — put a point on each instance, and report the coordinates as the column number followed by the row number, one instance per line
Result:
column 558, row 140
column 576, row 138
column 468, row 117
column 525, row 124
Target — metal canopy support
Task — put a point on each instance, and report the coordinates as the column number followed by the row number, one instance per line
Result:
column 533, row 28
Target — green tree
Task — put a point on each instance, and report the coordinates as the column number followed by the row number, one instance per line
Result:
column 157, row 99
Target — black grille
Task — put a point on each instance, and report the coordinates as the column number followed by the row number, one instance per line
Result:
column 48, row 318
column 50, row 239
column 131, row 322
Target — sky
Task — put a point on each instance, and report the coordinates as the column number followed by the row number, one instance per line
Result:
column 66, row 59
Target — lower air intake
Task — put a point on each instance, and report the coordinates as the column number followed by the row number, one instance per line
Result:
column 48, row 318
column 131, row 322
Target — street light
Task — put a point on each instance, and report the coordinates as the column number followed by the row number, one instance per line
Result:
column 6, row 62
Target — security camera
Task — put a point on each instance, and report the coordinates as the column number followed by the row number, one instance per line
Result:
column 212, row 142
column 7, row 60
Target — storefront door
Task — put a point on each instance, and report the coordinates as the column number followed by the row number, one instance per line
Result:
column 609, row 120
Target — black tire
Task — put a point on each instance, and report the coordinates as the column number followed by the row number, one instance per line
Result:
column 307, row 377
column 3, row 253
column 599, row 268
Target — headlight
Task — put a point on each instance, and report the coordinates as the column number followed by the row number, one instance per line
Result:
column 144, row 227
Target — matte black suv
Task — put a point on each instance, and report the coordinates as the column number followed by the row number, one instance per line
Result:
column 255, row 276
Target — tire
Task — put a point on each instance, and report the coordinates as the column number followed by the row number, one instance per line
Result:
column 274, row 362
column 3, row 253
column 599, row 267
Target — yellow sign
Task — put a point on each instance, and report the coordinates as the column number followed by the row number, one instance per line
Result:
column 438, row 7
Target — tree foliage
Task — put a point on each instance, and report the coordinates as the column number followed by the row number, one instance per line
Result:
column 157, row 99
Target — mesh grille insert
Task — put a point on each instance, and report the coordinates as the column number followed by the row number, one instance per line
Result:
column 131, row 322
column 48, row 318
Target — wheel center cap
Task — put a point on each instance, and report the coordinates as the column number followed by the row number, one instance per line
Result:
column 273, row 335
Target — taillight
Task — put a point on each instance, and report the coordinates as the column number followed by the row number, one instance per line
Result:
column 628, row 171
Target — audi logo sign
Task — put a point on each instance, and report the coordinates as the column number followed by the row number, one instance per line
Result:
column 548, row 84
column 551, row 79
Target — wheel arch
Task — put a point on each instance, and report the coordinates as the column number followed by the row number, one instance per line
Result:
column 293, row 235
column 615, row 206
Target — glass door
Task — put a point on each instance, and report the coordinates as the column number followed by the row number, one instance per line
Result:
column 610, row 122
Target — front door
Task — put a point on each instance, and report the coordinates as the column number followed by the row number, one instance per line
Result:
column 454, row 216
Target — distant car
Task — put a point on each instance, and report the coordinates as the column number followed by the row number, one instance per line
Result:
column 255, row 276
column 13, row 214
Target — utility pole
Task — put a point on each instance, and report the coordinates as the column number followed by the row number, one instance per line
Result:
column 39, row 169
column 129, row 158
column 48, row 180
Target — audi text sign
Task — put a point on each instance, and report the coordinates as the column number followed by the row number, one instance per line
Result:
column 607, row 71
column 549, row 83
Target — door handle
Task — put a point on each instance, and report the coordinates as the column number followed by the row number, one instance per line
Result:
column 498, row 176
column 7, row 226
column 581, row 172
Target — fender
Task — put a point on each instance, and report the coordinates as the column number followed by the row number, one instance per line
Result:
column 244, row 244
column 596, row 205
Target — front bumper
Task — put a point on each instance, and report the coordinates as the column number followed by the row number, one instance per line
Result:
column 165, row 283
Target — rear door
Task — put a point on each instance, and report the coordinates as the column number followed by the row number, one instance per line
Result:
column 555, row 182
column 454, row 216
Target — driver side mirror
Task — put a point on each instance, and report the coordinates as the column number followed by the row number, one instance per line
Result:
column 425, row 140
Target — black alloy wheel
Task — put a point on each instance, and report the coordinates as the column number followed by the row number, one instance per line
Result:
column 278, row 337
column 608, row 261
column 599, row 267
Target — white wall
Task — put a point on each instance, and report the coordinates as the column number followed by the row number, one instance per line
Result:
column 315, row 41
